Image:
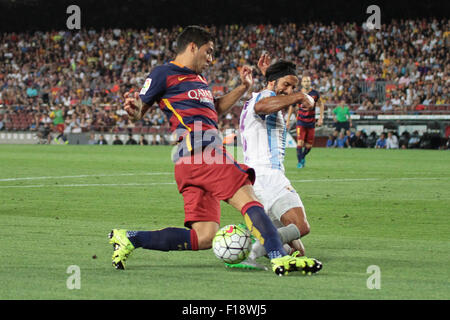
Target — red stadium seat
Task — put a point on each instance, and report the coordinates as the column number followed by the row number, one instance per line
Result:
column 136, row 130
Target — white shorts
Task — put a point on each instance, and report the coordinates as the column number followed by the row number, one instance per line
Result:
column 275, row 193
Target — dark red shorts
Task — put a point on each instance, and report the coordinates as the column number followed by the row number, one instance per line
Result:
column 204, row 185
column 306, row 134
column 60, row 127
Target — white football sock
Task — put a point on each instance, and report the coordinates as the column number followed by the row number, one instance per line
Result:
column 287, row 234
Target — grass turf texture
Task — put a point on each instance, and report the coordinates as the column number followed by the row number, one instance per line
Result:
column 366, row 207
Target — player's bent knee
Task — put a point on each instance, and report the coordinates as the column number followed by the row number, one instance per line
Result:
column 205, row 243
column 205, row 233
column 304, row 228
column 205, row 240
column 292, row 217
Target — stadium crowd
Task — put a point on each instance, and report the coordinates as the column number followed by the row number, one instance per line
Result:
column 390, row 140
column 78, row 78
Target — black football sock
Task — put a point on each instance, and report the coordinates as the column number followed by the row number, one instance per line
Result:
column 306, row 151
column 299, row 154
column 164, row 240
column 263, row 229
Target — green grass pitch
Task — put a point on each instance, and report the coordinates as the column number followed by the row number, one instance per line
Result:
column 384, row 208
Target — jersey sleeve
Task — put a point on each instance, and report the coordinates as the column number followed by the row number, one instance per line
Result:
column 317, row 95
column 154, row 86
column 265, row 94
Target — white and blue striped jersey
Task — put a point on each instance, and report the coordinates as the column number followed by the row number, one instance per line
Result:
column 263, row 137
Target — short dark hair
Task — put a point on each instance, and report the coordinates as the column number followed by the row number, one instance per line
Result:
column 195, row 34
column 280, row 69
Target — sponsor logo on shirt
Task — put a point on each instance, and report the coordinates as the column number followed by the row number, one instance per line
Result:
column 201, row 95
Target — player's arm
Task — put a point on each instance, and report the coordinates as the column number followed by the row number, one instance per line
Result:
column 134, row 106
column 321, row 106
column 290, row 111
column 137, row 104
column 276, row 103
column 224, row 103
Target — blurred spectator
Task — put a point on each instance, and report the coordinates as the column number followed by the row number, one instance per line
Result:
column 331, row 142
column 358, row 140
column 404, row 140
column 142, row 140
column 391, row 141
column 43, row 134
column 387, row 106
column 117, row 140
column 414, row 140
column 371, row 140
column 131, row 140
column 342, row 141
column 350, row 135
column 381, row 142
column 92, row 139
column 396, row 101
column 102, row 140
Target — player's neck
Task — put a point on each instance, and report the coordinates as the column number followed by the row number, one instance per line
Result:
column 183, row 61
column 270, row 87
column 306, row 90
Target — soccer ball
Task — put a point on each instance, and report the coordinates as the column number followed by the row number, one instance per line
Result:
column 232, row 244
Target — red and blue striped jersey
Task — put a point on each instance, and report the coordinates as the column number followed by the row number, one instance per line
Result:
column 307, row 117
column 185, row 98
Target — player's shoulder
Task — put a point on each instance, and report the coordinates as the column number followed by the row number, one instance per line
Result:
column 264, row 94
column 314, row 92
column 162, row 69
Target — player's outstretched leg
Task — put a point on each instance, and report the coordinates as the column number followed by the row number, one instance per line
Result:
column 122, row 247
column 168, row 239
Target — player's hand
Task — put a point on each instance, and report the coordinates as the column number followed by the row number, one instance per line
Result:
column 319, row 122
column 264, row 62
column 133, row 106
column 307, row 101
column 246, row 76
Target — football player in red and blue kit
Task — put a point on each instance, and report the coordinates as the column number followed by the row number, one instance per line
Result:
column 306, row 122
column 205, row 173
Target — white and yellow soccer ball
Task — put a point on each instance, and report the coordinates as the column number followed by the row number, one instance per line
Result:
column 232, row 243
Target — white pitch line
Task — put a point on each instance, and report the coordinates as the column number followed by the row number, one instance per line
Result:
column 90, row 185
column 87, row 176
column 170, row 173
column 369, row 179
column 172, row 183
